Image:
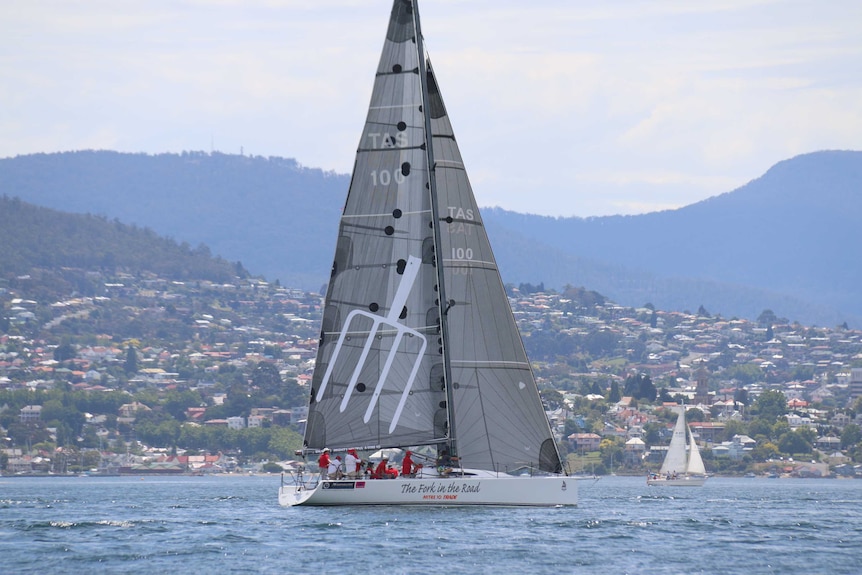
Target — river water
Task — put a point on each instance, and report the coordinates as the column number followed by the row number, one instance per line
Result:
column 235, row 525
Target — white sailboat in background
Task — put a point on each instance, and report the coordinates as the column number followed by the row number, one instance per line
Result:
column 681, row 468
column 419, row 349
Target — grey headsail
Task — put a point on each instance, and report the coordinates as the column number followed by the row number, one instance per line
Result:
column 411, row 354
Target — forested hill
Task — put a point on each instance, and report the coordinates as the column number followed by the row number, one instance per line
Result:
column 275, row 216
column 787, row 241
column 33, row 237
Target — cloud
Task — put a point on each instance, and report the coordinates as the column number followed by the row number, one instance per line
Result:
column 567, row 107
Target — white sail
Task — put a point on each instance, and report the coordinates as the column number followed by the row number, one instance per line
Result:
column 695, row 462
column 675, row 460
column 679, row 468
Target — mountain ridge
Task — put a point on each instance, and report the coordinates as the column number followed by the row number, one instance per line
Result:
column 798, row 217
column 783, row 241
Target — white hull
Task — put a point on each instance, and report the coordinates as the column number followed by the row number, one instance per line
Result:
column 693, row 481
column 491, row 490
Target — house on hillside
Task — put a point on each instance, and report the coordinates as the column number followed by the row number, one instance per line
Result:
column 129, row 410
column 634, row 450
column 30, row 414
column 828, row 443
column 734, row 449
column 584, row 442
column 707, row 431
column 195, row 414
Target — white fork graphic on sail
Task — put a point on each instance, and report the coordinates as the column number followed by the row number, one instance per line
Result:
column 411, row 270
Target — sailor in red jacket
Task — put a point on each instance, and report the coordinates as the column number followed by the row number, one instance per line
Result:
column 323, row 463
column 408, row 469
column 383, row 471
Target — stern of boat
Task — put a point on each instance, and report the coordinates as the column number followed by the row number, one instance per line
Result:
column 290, row 495
column 296, row 489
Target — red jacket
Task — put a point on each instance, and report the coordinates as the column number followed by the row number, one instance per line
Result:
column 379, row 471
column 407, row 464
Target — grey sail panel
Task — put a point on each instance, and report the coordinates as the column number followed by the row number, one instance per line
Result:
column 499, row 418
column 381, row 373
column 376, row 380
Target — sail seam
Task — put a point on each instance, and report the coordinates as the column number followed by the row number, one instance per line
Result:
column 369, row 150
column 501, row 364
column 469, row 263
column 381, row 332
column 384, row 215
column 391, row 107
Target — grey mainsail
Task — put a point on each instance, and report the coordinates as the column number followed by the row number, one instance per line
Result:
column 411, row 354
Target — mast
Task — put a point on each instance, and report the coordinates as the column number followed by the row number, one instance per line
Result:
column 442, row 301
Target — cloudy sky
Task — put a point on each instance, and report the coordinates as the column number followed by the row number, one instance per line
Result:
column 561, row 107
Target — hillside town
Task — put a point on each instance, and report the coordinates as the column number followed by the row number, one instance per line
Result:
column 148, row 375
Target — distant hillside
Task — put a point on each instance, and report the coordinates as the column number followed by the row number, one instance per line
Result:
column 273, row 215
column 524, row 259
column 34, row 237
column 790, row 237
column 786, row 241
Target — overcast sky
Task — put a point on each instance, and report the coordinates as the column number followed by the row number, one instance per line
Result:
column 561, row 107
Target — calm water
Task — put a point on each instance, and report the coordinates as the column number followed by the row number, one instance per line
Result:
column 235, row 525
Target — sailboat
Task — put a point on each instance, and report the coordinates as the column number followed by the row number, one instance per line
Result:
column 419, row 349
column 681, row 469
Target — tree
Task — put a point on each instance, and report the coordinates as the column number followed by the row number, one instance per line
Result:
column 64, row 352
column 611, row 453
column 640, row 386
column 266, row 378
column 131, row 365
column 760, row 426
column 793, row 442
column 780, row 427
column 809, row 434
column 614, row 394
column 66, row 418
column 157, row 431
column 851, row 435
column 733, row 427
column 694, row 414
column 770, row 405
column 552, row 398
column 652, row 433
column 767, row 317
column 600, row 343
column 284, row 442
column 177, row 402
column 764, row 450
